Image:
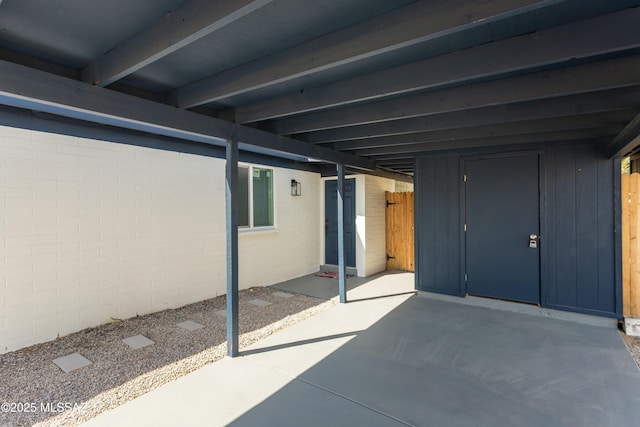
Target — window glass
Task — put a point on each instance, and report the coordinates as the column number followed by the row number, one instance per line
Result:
column 255, row 197
column 262, row 197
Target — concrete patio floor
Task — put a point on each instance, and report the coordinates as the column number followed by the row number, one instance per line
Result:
column 407, row 360
column 381, row 285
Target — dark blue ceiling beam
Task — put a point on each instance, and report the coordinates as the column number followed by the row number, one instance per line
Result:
column 614, row 121
column 383, row 159
column 386, row 174
column 627, row 140
column 44, row 122
column 31, row 89
column 398, row 163
column 604, row 34
column 326, row 169
column 600, row 102
column 400, row 28
column 408, row 151
column 603, row 75
column 190, row 22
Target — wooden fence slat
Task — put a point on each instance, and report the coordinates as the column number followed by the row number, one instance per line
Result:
column 399, row 229
column 626, row 268
column 634, row 242
column 411, row 243
column 630, row 190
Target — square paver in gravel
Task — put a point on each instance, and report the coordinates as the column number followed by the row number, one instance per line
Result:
column 222, row 313
column 71, row 362
column 259, row 302
column 138, row 341
column 190, row 325
column 280, row 294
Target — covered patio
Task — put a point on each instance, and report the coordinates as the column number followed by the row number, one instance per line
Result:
column 408, row 360
column 525, row 105
column 145, row 145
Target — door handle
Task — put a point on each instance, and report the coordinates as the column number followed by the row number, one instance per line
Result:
column 533, row 241
column 533, row 236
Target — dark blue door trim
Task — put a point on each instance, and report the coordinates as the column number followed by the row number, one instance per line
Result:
column 331, row 222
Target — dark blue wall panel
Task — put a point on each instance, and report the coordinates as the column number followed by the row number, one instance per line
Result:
column 562, row 211
column 585, row 239
column 577, row 234
column 438, row 221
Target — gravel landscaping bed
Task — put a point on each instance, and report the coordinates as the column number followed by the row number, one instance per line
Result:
column 44, row 395
column 633, row 344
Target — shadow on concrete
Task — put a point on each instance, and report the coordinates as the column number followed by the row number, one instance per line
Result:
column 398, row 282
column 384, row 296
column 436, row 363
column 298, row 343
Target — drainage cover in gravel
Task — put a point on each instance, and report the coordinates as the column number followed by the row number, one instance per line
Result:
column 282, row 294
column 259, row 302
column 190, row 325
column 71, row 362
column 138, row 341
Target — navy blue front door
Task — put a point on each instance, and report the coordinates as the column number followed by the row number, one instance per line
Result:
column 331, row 222
column 501, row 212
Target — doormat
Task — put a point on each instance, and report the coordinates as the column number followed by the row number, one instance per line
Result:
column 330, row 275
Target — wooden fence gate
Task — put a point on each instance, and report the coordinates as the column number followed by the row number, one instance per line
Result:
column 400, row 231
column 631, row 245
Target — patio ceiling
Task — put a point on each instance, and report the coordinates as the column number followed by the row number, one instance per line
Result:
column 365, row 83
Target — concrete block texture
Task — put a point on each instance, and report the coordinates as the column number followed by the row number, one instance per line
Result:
column 137, row 341
column 632, row 326
column 92, row 230
column 72, row 362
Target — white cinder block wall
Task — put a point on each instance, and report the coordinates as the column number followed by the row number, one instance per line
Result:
column 293, row 250
column 93, row 230
column 361, row 226
column 371, row 244
column 375, row 213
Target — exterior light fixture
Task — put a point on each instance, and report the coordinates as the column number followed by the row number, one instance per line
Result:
column 296, row 188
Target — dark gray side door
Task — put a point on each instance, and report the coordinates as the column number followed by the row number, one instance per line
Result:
column 502, row 211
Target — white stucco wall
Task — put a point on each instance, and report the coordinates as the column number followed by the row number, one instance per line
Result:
column 93, row 230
